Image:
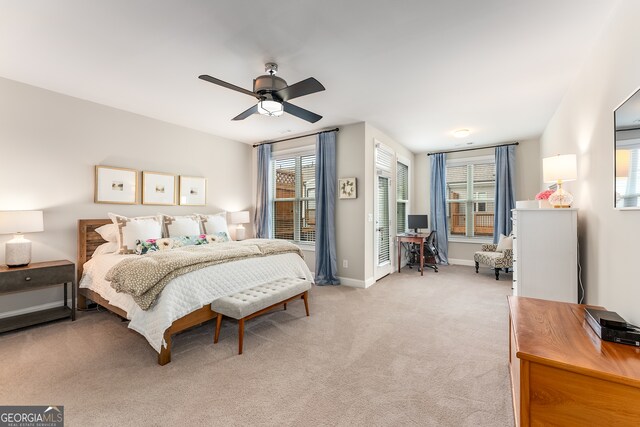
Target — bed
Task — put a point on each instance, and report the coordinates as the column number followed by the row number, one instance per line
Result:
column 185, row 302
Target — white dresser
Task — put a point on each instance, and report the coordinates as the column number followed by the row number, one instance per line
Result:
column 545, row 254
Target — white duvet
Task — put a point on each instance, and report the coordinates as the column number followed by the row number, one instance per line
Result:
column 190, row 291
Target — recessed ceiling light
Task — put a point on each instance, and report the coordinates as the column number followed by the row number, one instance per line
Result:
column 461, row 133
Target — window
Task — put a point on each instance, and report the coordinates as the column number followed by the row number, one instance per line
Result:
column 402, row 196
column 294, row 202
column 470, row 197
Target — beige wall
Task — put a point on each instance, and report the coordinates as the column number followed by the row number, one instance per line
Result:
column 527, row 186
column 354, row 233
column 50, row 144
column 583, row 124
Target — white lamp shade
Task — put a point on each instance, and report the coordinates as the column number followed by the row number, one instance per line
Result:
column 241, row 217
column 13, row 222
column 559, row 168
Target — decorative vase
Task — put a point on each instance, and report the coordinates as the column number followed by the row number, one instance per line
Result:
column 544, row 204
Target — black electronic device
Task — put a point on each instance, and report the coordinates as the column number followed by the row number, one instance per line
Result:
column 611, row 327
column 418, row 221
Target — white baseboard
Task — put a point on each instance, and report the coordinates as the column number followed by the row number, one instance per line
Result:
column 32, row 309
column 355, row 283
column 468, row 262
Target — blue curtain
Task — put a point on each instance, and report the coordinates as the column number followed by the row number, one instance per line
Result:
column 326, row 260
column 262, row 217
column 505, row 198
column 438, row 198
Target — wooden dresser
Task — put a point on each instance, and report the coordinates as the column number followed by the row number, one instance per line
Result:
column 562, row 374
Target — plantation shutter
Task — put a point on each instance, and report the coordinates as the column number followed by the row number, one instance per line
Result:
column 383, row 219
column 402, row 196
column 307, row 204
column 384, row 159
column 294, row 197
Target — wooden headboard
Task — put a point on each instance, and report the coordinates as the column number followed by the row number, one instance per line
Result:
column 88, row 240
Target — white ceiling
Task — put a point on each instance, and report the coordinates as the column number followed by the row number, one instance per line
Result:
column 415, row 69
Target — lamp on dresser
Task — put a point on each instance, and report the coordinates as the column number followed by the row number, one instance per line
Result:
column 559, row 169
column 18, row 249
column 239, row 218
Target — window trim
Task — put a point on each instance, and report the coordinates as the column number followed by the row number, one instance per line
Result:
column 476, row 160
column 296, row 154
column 405, row 161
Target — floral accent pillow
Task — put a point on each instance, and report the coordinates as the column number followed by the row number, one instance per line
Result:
column 200, row 239
column 218, row 237
column 153, row 245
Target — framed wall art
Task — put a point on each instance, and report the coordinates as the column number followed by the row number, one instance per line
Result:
column 193, row 191
column 116, row 185
column 347, row 188
column 158, row 188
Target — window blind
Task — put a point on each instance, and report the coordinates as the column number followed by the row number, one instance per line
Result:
column 383, row 219
column 294, row 198
column 402, row 196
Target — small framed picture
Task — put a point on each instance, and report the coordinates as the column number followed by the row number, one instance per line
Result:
column 158, row 188
column 347, row 188
column 193, row 191
column 116, row 185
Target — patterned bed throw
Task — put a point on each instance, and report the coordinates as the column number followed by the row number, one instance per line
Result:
column 144, row 277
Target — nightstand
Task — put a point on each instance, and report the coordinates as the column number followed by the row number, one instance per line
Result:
column 33, row 276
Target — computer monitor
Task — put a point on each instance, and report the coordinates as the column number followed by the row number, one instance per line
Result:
column 418, row 221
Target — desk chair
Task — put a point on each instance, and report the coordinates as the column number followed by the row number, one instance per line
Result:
column 430, row 251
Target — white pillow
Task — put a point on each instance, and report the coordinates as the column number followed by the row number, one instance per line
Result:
column 108, row 232
column 106, row 248
column 138, row 228
column 178, row 226
column 212, row 224
column 506, row 242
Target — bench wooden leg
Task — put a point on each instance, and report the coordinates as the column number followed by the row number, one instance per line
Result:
column 285, row 306
column 240, row 335
column 218, row 324
column 305, row 297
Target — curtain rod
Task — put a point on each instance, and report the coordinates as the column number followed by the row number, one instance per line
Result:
column 296, row 137
column 475, row 148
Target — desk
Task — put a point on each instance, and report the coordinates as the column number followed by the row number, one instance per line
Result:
column 412, row 238
column 563, row 374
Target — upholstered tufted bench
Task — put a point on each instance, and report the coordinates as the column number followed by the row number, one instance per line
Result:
column 258, row 300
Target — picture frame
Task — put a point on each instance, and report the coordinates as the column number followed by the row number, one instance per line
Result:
column 115, row 185
column 193, row 191
column 347, row 188
column 159, row 188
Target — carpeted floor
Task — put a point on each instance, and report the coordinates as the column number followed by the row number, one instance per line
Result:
column 410, row 350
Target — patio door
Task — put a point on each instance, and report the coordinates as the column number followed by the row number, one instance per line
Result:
column 384, row 164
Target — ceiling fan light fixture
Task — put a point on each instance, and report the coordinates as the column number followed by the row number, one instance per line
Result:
column 270, row 108
column 461, row 133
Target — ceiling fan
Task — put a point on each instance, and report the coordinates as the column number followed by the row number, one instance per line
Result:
column 273, row 93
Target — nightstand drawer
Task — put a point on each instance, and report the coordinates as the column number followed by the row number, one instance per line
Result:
column 22, row 279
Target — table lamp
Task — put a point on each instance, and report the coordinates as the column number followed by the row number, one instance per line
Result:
column 18, row 250
column 559, row 169
column 239, row 218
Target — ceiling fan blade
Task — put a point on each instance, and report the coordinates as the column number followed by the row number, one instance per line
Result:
column 305, row 87
column 227, row 85
column 246, row 113
column 301, row 112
